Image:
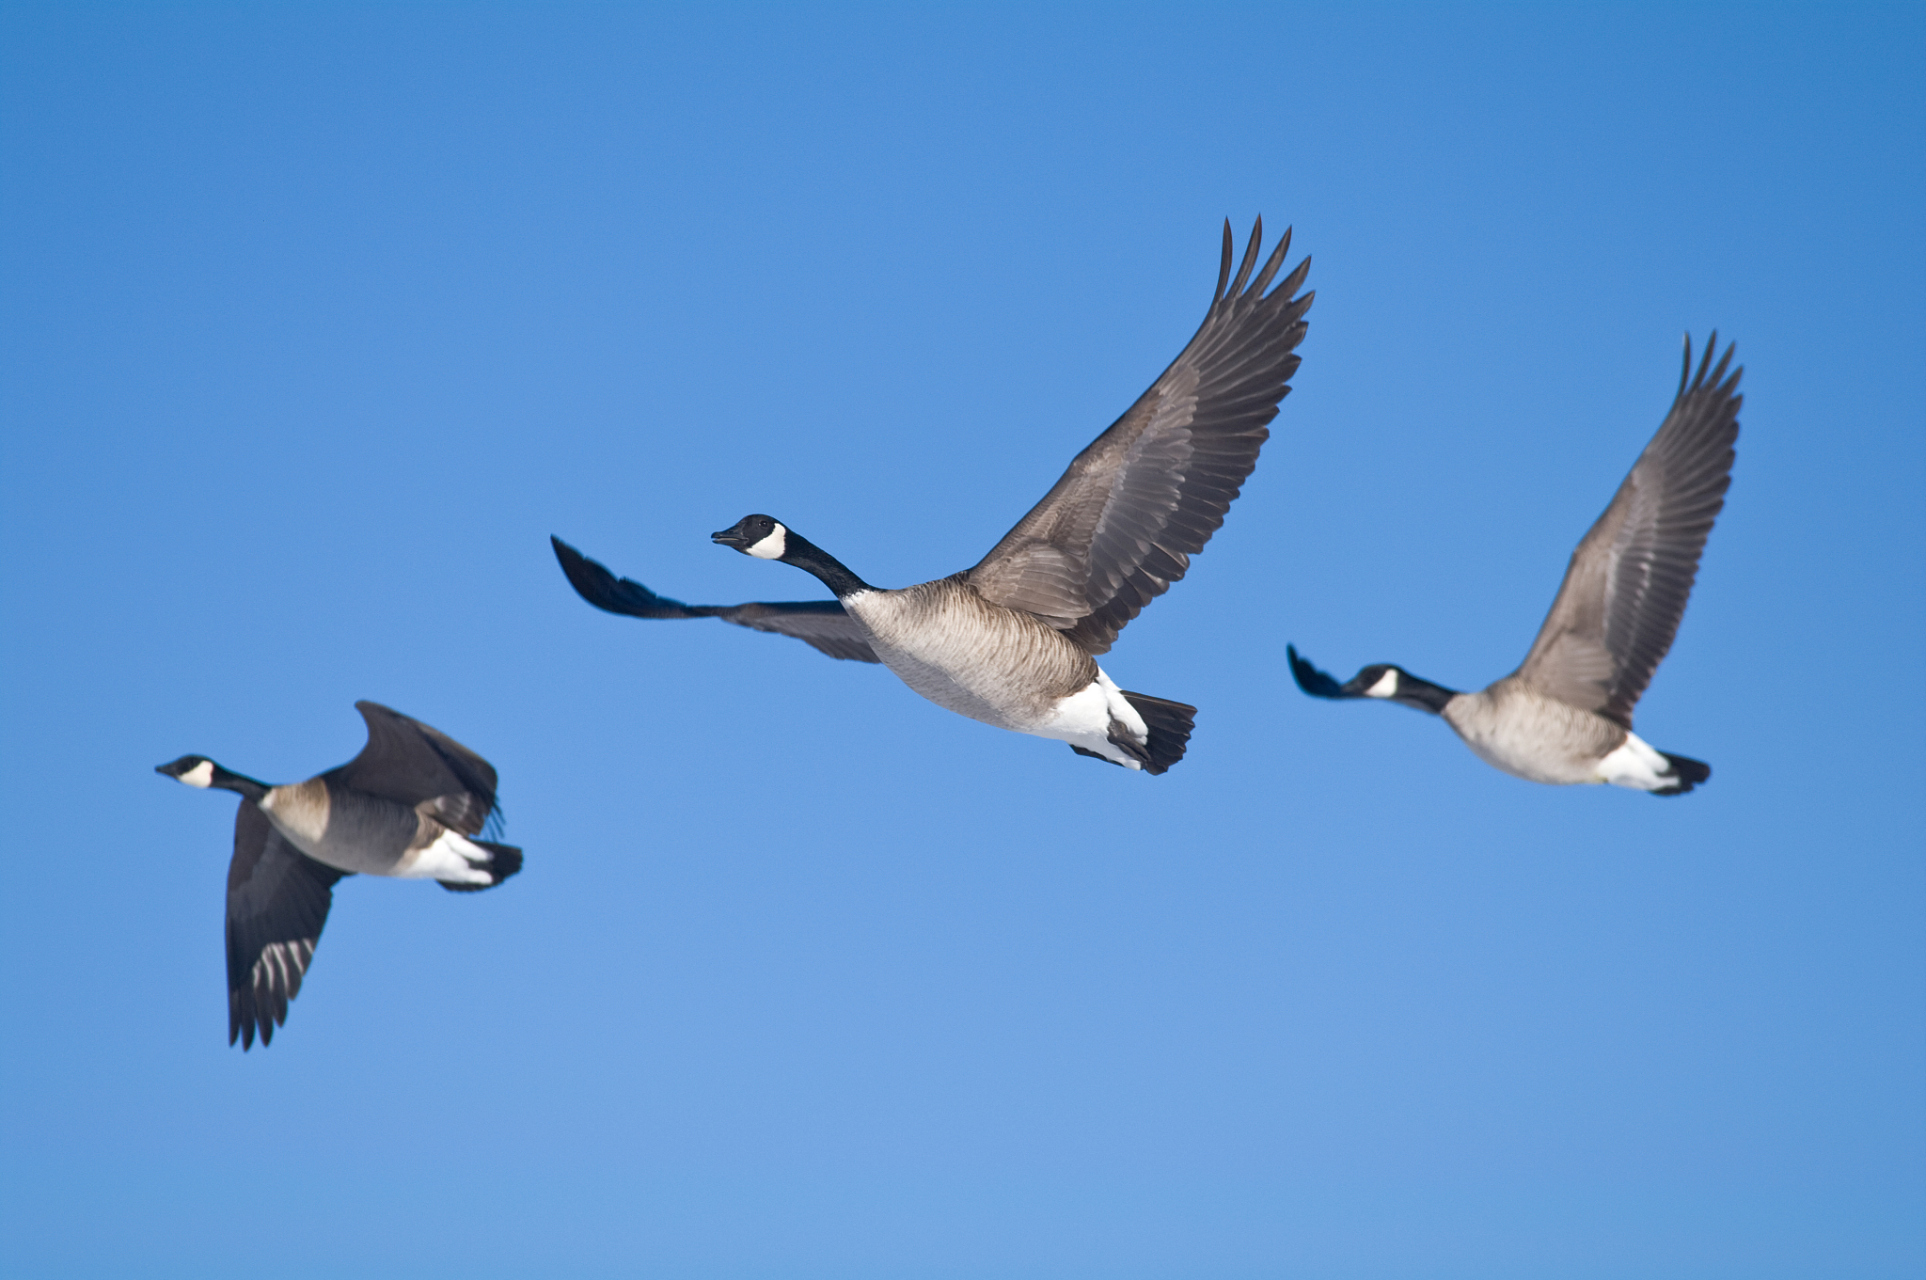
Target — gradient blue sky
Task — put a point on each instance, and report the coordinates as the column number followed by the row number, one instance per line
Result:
column 318, row 320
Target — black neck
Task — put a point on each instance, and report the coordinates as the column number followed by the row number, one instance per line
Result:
column 247, row 786
column 806, row 555
column 1422, row 694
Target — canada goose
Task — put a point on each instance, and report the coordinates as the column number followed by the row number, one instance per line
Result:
column 1565, row 716
column 408, row 806
column 1012, row 642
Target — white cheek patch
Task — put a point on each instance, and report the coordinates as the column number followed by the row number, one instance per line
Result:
column 772, row 545
column 201, row 775
column 1386, row 687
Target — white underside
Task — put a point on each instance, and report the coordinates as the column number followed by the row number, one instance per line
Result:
column 1637, row 765
column 1083, row 720
column 452, row 857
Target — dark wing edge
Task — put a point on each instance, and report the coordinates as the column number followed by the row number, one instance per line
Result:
column 1122, row 522
column 824, row 625
column 277, row 905
column 1626, row 588
column 1319, row 684
column 594, row 583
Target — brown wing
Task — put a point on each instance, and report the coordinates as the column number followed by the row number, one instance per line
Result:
column 409, row 761
column 1124, row 520
column 1628, row 582
column 277, row 903
column 823, row 624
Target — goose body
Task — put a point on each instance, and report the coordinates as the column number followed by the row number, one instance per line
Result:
column 1002, row 666
column 1513, row 727
column 410, row 807
column 1013, row 641
column 1565, row 716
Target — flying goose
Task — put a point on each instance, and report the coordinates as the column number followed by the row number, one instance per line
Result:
column 1013, row 641
column 408, row 806
column 1565, row 716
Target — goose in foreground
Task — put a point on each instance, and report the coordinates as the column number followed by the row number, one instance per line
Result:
column 1565, row 716
column 1013, row 641
column 408, row 806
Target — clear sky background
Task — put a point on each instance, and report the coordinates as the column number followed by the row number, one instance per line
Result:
column 319, row 320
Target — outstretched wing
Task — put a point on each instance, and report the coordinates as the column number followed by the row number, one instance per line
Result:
column 277, row 903
column 1123, row 522
column 823, row 624
column 409, row 761
column 1628, row 581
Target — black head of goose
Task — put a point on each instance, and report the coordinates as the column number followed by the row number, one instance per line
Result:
column 1565, row 716
column 1013, row 640
column 411, row 806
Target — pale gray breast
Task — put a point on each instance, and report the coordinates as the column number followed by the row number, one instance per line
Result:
column 1513, row 727
column 346, row 829
column 1001, row 666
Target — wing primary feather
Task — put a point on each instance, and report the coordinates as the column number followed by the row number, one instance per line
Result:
column 1270, row 267
column 1718, row 372
column 1223, row 270
column 1250, row 258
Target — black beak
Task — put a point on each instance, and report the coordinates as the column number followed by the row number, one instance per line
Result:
column 730, row 538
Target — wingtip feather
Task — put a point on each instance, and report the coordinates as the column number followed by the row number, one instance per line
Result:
column 1224, row 266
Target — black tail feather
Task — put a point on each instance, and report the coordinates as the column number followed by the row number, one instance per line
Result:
column 504, row 861
column 1169, row 723
column 1689, row 772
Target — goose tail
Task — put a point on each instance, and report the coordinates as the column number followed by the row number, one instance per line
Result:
column 1686, row 773
column 504, row 860
column 1169, row 723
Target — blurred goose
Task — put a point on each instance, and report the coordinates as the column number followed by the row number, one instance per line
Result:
column 408, row 806
column 1013, row 641
column 1565, row 716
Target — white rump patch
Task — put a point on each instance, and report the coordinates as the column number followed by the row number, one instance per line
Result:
column 1083, row 720
column 452, row 857
column 201, row 775
column 1637, row 765
column 772, row 545
column 1386, row 687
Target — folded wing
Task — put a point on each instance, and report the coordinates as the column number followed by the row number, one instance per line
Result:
column 277, row 903
column 822, row 624
column 1627, row 585
column 1122, row 523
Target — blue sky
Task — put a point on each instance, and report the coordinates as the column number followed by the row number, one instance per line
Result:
column 318, row 320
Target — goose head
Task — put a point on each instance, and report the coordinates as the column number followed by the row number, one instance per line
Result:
column 195, row 771
column 1383, row 680
column 1393, row 683
column 767, row 538
column 1379, row 680
column 200, row 772
column 763, row 537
